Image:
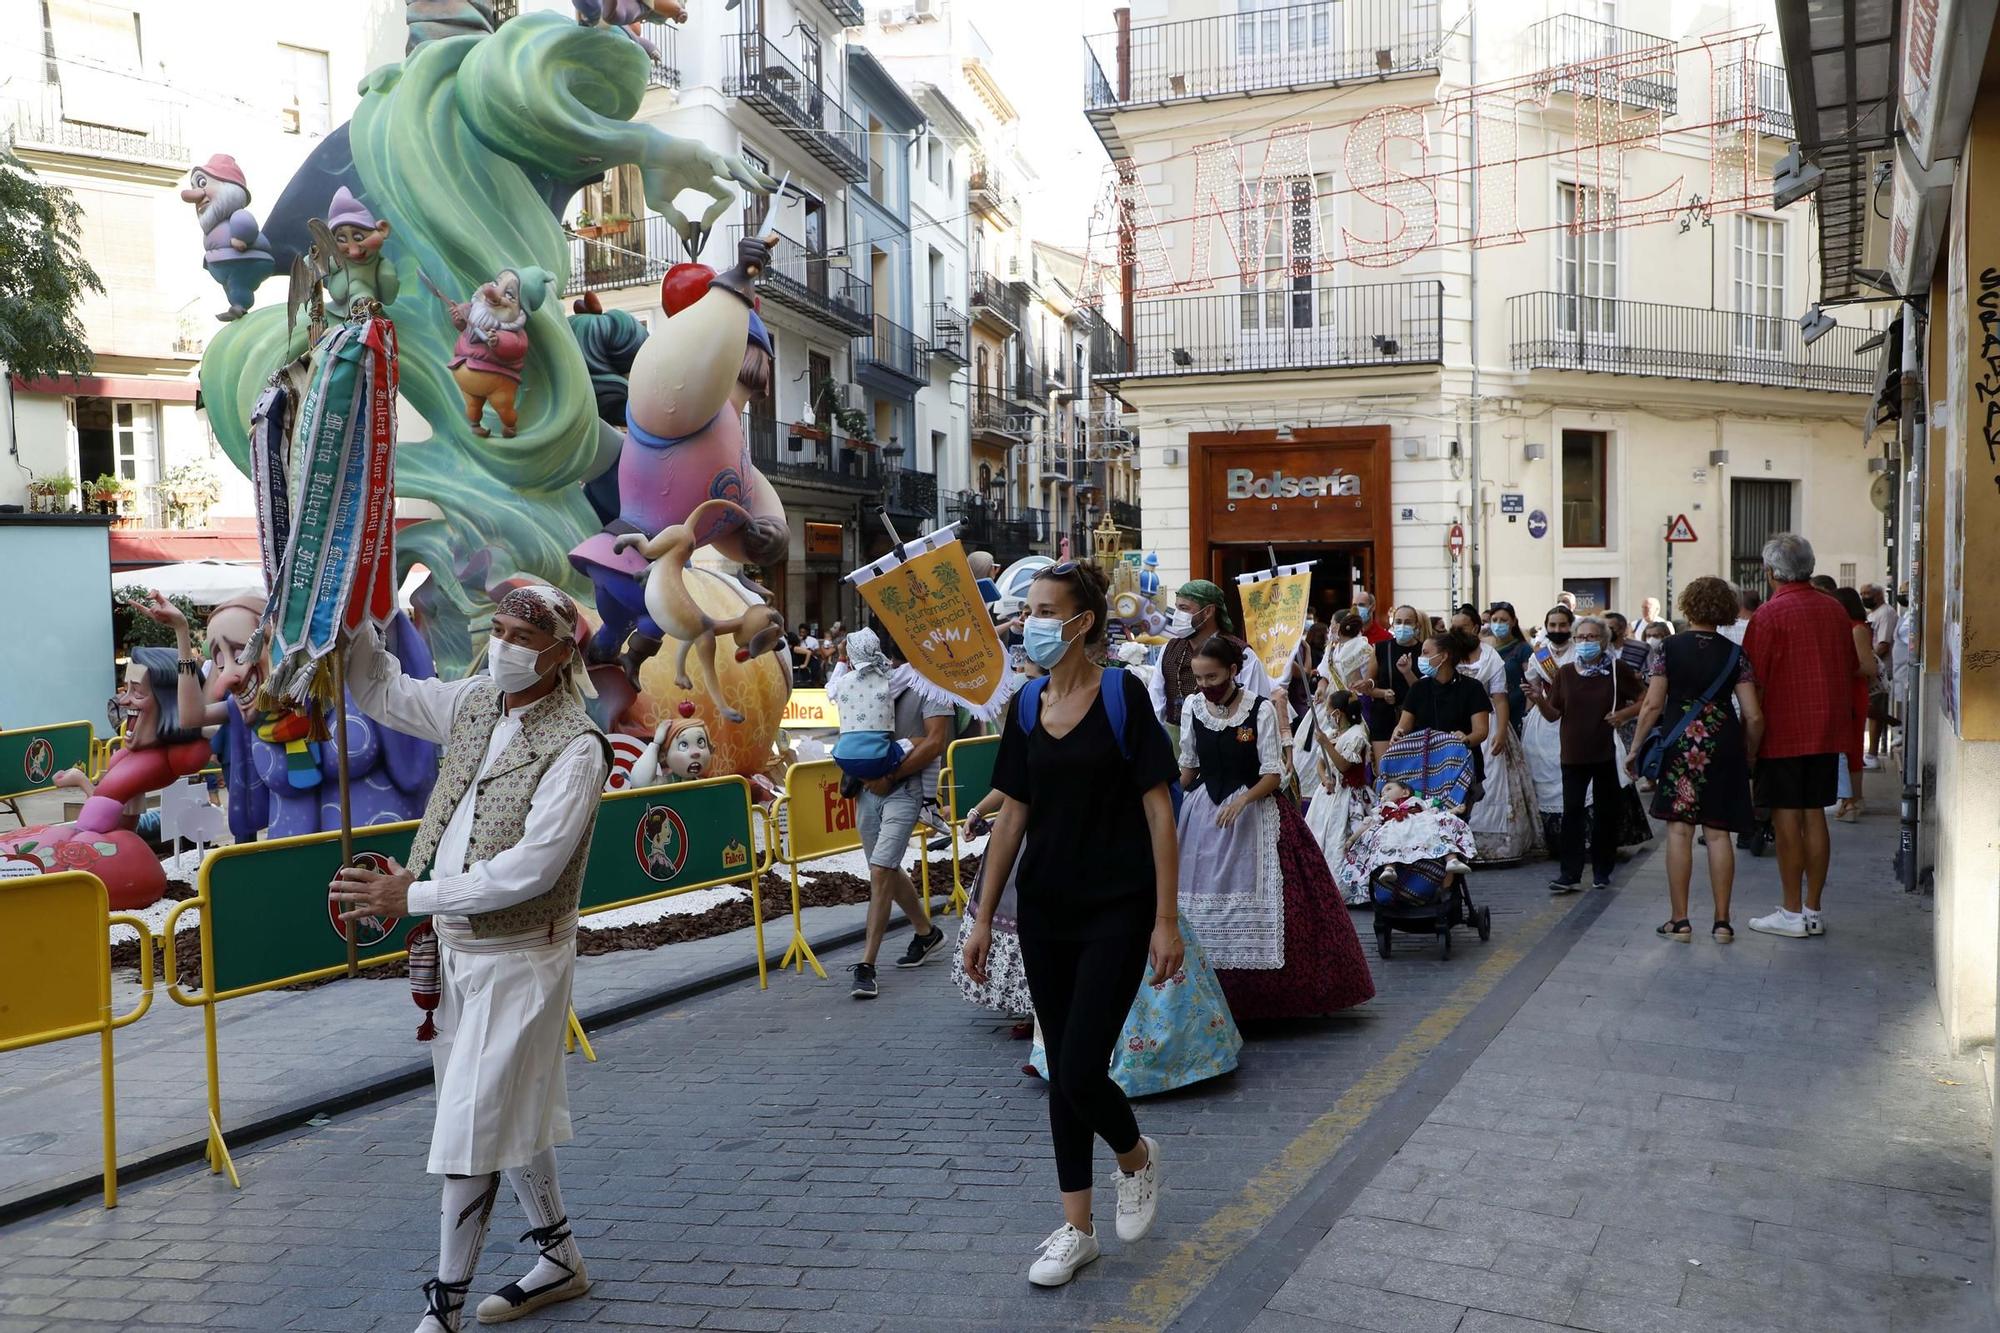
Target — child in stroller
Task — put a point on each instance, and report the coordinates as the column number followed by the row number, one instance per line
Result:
column 1404, row 832
column 1413, row 853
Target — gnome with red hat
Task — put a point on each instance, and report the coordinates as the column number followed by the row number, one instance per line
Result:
column 236, row 254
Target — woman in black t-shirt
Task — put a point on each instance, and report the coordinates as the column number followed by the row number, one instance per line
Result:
column 1096, row 896
column 1443, row 700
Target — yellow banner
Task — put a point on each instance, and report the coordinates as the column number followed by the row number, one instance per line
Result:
column 818, row 819
column 930, row 604
column 809, row 710
column 1274, row 617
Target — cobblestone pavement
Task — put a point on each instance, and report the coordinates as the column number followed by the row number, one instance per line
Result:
column 794, row 1160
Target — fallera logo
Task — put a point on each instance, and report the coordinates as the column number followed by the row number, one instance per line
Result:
column 1242, row 484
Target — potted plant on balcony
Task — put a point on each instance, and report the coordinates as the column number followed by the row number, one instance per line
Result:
column 110, row 494
column 50, row 494
column 188, row 491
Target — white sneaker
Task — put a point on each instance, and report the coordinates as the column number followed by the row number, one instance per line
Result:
column 1870, row 762
column 1063, row 1253
column 1457, row 866
column 1792, row 925
column 1138, row 1195
column 1815, row 923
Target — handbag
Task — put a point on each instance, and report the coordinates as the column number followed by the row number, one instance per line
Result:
column 1653, row 749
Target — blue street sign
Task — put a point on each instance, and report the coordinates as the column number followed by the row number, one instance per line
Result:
column 1512, row 502
column 1538, row 524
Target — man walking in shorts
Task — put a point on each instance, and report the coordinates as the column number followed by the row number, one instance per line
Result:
column 1801, row 650
column 887, row 812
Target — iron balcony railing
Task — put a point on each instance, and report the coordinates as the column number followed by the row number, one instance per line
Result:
column 908, row 493
column 890, row 349
column 779, row 450
column 951, row 337
column 1259, row 51
column 145, row 130
column 848, row 13
column 1557, row 331
column 1125, row 514
column 1308, row 328
column 1030, row 386
column 997, row 301
column 666, row 39
column 1591, row 58
column 807, row 282
column 990, row 191
column 1756, row 91
column 992, row 414
column 987, row 525
column 803, row 107
column 1110, row 353
column 621, row 254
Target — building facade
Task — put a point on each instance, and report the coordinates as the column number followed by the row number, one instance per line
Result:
column 1468, row 304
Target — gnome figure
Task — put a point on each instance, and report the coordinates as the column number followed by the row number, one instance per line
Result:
column 236, row 254
column 626, row 15
column 493, row 343
column 352, row 245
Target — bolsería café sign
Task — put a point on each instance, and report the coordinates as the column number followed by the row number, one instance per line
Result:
column 1242, row 483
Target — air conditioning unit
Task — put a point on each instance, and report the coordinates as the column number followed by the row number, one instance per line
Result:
column 927, row 11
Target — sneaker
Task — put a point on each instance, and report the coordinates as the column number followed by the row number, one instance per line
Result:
column 1563, row 886
column 1386, row 877
column 1138, row 1195
column 1601, row 882
column 921, row 948
column 1815, row 923
column 1063, row 1253
column 1457, row 866
column 864, row 981
column 1791, row 925
column 1871, row 762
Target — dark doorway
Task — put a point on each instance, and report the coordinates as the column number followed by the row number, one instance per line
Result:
column 1758, row 511
column 1335, row 572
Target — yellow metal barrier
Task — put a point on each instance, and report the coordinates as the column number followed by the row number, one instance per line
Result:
column 55, row 954
column 652, row 836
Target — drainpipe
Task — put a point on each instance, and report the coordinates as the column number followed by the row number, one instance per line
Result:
column 1472, row 176
column 1913, row 428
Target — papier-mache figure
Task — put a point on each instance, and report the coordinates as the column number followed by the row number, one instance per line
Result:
column 492, row 342
column 235, row 251
column 351, row 248
column 626, row 15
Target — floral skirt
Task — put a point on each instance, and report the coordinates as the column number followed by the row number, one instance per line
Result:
column 1325, row 969
column 1331, row 817
column 1178, row 1031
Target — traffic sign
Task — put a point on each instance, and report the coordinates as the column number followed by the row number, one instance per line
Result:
column 1455, row 541
column 1680, row 530
column 1538, row 524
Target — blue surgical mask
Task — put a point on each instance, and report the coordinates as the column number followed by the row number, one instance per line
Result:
column 1426, row 667
column 1404, row 634
column 1589, row 650
column 1502, row 630
column 1042, row 640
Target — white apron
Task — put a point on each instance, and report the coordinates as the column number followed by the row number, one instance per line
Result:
column 1542, row 739
column 501, row 1092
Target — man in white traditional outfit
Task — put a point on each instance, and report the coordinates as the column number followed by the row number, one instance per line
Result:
column 504, row 841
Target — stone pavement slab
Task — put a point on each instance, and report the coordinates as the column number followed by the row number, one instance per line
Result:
column 791, row 1160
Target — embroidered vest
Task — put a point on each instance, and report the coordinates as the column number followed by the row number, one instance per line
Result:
column 500, row 805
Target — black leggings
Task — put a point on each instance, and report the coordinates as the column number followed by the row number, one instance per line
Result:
column 1083, row 991
column 1578, row 782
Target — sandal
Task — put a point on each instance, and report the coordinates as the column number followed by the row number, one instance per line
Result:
column 1722, row 933
column 1680, row 931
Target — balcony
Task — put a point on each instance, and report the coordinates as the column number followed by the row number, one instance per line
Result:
column 983, row 525
column 999, row 420
column 1243, row 55
column 764, row 77
column 622, row 254
column 996, row 303
column 893, row 353
column 1060, row 468
column 911, row 495
column 1126, row 515
column 1589, row 58
column 1756, row 92
column 1030, row 387
column 136, row 129
column 807, row 282
column 1555, row 331
column 847, row 13
column 666, row 39
column 951, row 337
column 1319, row 328
column 835, row 463
column 1110, row 354
column 990, row 192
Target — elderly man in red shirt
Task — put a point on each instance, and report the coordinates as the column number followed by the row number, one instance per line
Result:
column 1801, row 649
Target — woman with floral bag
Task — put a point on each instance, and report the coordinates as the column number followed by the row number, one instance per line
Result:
column 1704, row 778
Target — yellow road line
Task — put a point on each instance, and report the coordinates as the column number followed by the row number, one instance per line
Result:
column 1156, row 1299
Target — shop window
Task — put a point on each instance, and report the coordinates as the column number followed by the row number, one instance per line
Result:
column 305, row 91
column 1585, row 466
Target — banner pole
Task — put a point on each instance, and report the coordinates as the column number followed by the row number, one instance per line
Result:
column 346, row 809
column 894, row 536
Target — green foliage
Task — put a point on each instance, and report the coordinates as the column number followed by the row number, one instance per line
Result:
column 131, row 630
column 43, row 276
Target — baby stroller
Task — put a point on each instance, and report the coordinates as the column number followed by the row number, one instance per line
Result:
column 1427, row 899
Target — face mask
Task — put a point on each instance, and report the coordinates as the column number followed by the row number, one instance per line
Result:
column 1426, row 667
column 1404, row 634
column 514, row 669
column 1589, row 650
column 1216, row 694
column 1042, row 640
column 1180, row 624
column 1656, row 642
column 1558, row 637
column 1502, row 630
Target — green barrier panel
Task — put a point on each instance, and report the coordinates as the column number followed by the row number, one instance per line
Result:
column 31, row 757
column 268, row 918
column 971, row 763
column 659, row 840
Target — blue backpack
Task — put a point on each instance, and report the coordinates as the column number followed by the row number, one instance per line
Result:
column 1112, row 690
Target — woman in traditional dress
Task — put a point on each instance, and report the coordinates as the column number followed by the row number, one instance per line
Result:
column 1253, row 883
column 1199, row 615
column 1541, row 738
column 1391, row 675
column 1349, row 656
column 1335, row 767
column 1504, row 821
